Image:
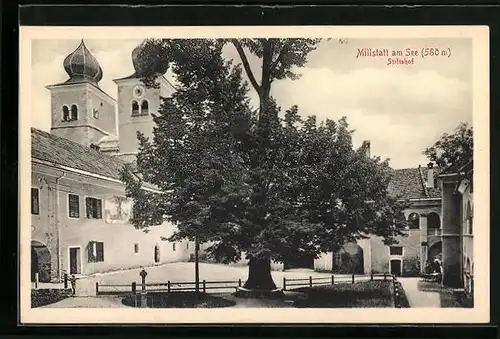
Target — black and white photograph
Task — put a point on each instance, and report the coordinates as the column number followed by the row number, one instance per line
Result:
column 328, row 173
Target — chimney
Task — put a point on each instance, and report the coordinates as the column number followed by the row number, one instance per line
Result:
column 366, row 147
column 430, row 175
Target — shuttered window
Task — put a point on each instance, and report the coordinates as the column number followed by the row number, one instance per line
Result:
column 100, row 251
column 95, row 251
column 35, row 201
column 94, row 208
column 74, row 206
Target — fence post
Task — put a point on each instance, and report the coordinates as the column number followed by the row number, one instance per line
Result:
column 134, row 287
column 333, row 280
column 371, row 276
column 204, row 287
column 284, row 284
column 353, row 278
column 96, row 287
column 65, row 280
column 239, row 282
column 168, row 286
column 310, row 281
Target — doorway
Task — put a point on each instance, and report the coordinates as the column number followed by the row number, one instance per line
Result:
column 75, row 260
column 157, row 254
column 395, row 267
column 349, row 259
column 40, row 262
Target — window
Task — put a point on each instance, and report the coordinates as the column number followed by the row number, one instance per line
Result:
column 35, row 201
column 135, row 108
column 469, row 217
column 96, row 251
column 65, row 110
column 396, row 250
column 74, row 206
column 94, row 208
column 144, row 107
column 136, row 248
column 414, row 220
column 74, row 112
column 433, row 221
column 173, row 247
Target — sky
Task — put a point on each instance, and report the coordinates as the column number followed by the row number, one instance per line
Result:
column 401, row 109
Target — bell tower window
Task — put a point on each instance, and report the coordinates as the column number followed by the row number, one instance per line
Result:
column 135, row 108
column 144, row 107
column 65, row 111
column 74, row 112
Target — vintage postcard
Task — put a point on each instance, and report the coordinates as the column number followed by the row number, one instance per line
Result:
column 254, row 175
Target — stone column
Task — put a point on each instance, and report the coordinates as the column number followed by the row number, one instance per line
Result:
column 423, row 242
column 452, row 270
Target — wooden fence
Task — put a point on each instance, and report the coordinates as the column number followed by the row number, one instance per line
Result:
column 217, row 286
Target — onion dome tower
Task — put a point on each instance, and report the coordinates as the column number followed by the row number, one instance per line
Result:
column 146, row 60
column 82, row 66
column 137, row 101
column 81, row 110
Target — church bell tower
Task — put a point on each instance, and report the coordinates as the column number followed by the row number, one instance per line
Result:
column 80, row 110
column 136, row 101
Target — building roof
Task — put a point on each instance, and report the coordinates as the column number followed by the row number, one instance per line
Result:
column 61, row 151
column 410, row 183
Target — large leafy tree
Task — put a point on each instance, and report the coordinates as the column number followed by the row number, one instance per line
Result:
column 453, row 151
column 268, row 184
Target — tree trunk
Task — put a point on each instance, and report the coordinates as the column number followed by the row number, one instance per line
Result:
column 259, row 275
column 265, row 87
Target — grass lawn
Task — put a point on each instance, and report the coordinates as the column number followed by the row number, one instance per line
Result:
column 180, row 300
column 448, row 297
column 47, row 296
column 376, row 293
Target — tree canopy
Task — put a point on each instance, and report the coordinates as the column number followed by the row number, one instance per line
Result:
column 453, row 151
column 307, row 190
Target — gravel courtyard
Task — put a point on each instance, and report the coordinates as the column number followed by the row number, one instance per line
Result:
column 184, row 272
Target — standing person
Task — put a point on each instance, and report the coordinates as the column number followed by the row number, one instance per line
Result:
column 428, row 267
column 73, row 285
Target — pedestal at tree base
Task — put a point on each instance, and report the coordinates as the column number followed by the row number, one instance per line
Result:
column 256, row 293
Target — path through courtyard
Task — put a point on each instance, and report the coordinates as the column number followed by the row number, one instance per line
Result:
column 418, row 298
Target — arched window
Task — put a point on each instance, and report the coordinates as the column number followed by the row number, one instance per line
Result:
column 414, row 220
column 135, row 108
column 433, row 221
column 65, row 111
column 469, row 217
column 74, row 112
column 144, row 107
